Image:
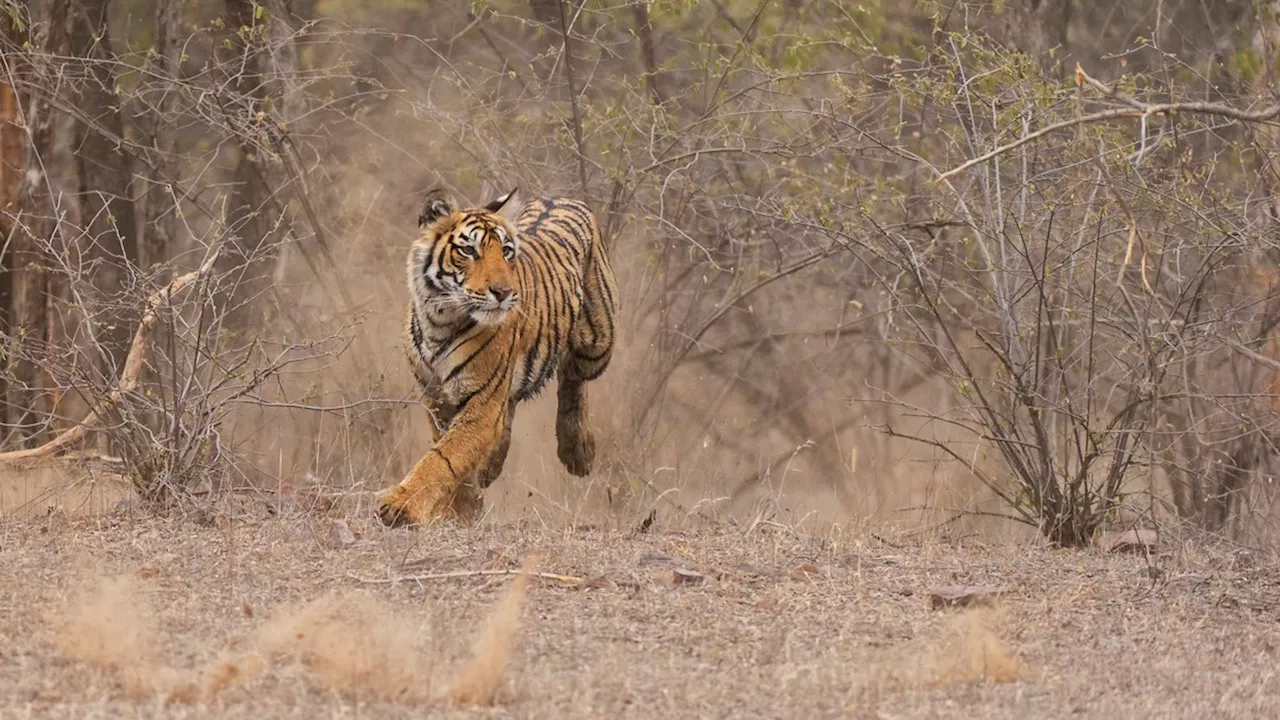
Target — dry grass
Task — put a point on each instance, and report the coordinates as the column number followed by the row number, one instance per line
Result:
column 354, row 644
column 967, row 649
column 478, row 682
column 108, row 627
column 258, row 617
column 109, row 624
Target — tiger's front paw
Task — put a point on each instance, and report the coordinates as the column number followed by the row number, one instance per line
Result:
column 403, row 505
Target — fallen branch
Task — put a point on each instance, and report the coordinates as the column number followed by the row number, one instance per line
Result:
column 128, row 377
column 566, row 579
column 1135, row 109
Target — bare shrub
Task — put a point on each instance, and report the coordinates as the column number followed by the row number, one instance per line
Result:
column 1080, row 297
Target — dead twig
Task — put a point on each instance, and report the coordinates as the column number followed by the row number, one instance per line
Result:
column 458, row 574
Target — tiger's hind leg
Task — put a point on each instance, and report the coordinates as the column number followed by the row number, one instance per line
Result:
column 590, row 349
column 575, row 445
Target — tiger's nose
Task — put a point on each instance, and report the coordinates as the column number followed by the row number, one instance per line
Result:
column 501, row 293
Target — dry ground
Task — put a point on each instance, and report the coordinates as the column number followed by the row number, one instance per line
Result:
column 249, row 616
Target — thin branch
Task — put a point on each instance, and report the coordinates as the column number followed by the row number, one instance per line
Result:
column 1253, row 355
column 1134, row 109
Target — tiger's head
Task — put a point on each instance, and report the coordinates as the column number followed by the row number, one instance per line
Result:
column 463, row 258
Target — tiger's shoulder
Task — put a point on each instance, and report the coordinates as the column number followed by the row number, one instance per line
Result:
column 556, row 216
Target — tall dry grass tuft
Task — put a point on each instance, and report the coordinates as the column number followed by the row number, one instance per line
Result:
column 965, row 650
column 110, row 625
column 477, row 682
column 356, row 643
column 970, row 651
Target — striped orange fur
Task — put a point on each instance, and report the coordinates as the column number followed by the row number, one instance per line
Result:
column 497, row 308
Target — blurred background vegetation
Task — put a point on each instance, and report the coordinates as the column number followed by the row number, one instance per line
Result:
column 819, row 326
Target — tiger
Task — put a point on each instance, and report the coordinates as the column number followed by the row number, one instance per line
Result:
column 497, row 309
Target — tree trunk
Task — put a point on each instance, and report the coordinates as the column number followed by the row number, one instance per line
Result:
column 157, row 236
column 11, row 143
column 255, row 216
column 110, row 244
column 648, row 51
column 30, row 406
column 1037, row 27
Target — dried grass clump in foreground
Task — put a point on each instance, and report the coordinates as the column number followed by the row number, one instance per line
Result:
column 357, row 644
column 478, row 681
column 110, row 626
column 966, row 650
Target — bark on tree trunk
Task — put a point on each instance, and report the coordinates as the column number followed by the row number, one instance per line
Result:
column 110, row 244
column 11, row 142
column 1038, row 26
column 254, row 213
column 157, row 236
column 30, row 406
column 648, row 52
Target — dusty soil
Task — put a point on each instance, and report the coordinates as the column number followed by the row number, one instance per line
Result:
column 133, row 615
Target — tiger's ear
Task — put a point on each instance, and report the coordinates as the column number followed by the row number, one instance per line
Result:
column 496, row 205
column 435, row 204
